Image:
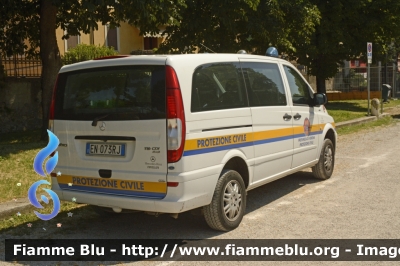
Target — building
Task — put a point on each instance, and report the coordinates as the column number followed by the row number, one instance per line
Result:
column 124, row 39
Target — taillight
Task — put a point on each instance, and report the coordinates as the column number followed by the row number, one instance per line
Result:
column 176, row 128
column 172, row 184
column 52, row 106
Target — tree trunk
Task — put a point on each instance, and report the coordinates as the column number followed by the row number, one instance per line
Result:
column 321, row 87
column 50, row 56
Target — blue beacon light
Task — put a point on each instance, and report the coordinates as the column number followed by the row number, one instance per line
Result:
column 272, row 51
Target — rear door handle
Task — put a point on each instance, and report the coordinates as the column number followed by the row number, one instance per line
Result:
column 297, row 116
column 287, row 117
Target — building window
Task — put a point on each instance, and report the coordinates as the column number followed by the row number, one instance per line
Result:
column 72, row 42
column 112, row 37
column 150, row 43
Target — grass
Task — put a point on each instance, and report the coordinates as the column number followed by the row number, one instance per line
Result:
column 17, row 152
column 29, row 217
column 385, row 121
column 348, row 110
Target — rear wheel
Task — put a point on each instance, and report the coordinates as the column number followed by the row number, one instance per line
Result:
column 228, row 204
column 324, row 168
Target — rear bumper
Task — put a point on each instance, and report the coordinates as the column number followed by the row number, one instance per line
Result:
column 186, row 196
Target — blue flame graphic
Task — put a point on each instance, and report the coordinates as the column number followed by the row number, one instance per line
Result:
column 44, row 153
column 32, row 198
column 38, row 167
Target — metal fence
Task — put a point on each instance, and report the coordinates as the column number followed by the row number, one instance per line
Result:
column 346, row 79
column 355, row 79
column 20, row 66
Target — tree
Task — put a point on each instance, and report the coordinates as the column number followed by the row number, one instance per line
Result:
column 27, row 25
column 228, row 26
column 319, row 34
column 343, row 32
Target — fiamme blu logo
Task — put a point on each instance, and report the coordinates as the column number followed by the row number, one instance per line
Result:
column 49, row 166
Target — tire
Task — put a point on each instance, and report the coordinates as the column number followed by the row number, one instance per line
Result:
column 324, row 168
column 234, row 201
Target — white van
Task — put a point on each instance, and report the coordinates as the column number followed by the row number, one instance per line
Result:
column 171, row 133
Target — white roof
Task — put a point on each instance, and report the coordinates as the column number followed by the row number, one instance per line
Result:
column 162, row 59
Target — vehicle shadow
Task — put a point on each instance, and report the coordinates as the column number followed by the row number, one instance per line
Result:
column 264, row 195
column 87, row 224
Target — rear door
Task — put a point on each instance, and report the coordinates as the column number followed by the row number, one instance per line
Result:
column 111, row 123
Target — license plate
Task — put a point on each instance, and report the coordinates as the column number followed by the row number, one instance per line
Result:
column 110, row 149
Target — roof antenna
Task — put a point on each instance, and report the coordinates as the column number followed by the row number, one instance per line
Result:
column 208, row 48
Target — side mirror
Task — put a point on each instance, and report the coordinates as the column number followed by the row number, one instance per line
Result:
column 320, row 99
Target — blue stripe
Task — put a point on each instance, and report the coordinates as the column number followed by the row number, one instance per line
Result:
column 263, row 141
column 114, row 191
column 247, row 144
column 303, row 136
column 316, row 133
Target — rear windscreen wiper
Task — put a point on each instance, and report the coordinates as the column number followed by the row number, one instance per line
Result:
column 96, row 119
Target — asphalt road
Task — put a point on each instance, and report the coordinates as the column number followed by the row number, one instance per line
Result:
column 360, row 201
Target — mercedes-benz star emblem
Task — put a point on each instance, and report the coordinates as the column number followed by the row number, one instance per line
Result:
column 103, row 126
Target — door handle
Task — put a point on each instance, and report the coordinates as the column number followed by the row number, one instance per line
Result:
column 287, row 117
column 297, row 116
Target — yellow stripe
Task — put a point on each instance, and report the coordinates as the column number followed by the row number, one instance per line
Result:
column 314, row 128
column 270, row 134
column 218, row 141
column 224, row 140
column 110, row 183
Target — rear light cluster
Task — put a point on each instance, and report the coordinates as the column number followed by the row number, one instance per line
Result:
column 176, row 130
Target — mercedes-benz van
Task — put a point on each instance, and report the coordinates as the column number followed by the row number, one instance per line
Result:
column 172, row 133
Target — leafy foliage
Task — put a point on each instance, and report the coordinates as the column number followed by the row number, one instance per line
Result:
column 343, row 32
column 83, row 52
column 27, row 25
column 228, row 26
column 19, row 21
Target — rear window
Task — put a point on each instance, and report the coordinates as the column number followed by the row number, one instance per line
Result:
column 116, row 93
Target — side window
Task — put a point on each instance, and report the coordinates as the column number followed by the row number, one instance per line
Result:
column 218, row 86
column 298, row 87
column 264, row 83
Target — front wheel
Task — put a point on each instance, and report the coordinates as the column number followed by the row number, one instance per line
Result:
column 228, row 204
column 324, row 168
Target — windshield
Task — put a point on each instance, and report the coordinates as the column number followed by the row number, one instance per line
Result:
column 117, row 93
